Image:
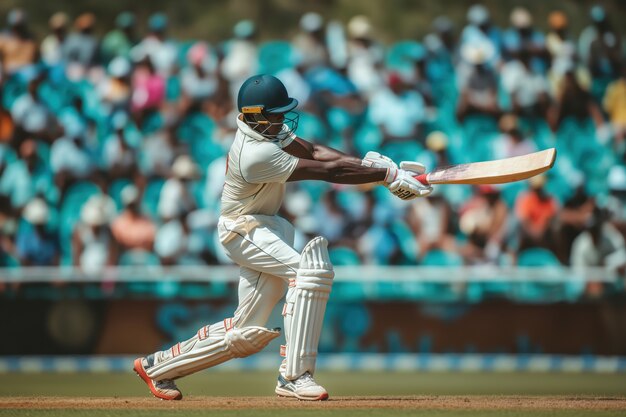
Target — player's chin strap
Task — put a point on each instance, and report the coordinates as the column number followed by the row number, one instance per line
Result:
column 304, row 311
column 211, row 346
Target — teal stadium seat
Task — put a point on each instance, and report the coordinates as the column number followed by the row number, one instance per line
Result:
column 545, row 292
column 274, row 56
column 402, row 151
column 406, row 240
column 367, row 138
column 339, row 119
column 75, row 196
column 402, row 55
column 150, row 199
column 115, row 191
column 344, row 256
column 438, row 257
column 311, row 127
column 441, row 292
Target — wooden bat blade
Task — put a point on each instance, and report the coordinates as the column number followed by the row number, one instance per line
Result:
column 494, row 172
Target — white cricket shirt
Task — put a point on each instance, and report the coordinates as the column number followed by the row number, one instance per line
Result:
column 256, row 171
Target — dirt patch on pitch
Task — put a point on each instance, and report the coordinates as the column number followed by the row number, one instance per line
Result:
column 418, row 402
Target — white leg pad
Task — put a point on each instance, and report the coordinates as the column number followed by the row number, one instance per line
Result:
column 314, row 281
column 211, row 346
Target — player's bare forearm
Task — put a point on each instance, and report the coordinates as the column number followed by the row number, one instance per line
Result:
column 343, row 171
column 306, row 150
column 325, row 154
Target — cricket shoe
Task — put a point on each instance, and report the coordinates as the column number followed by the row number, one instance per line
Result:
column 302, row 388
column 164, row 389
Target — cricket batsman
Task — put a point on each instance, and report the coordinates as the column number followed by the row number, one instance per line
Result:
column 265, row 154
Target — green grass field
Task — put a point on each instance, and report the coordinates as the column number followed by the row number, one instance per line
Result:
column 427, row 391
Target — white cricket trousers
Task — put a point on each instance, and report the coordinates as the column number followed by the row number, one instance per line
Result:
column 263, row 248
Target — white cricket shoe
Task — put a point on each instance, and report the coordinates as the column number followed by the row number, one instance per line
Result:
column 302, row 388
column 164, row 389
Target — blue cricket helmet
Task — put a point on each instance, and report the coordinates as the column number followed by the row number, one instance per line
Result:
column 266, row 91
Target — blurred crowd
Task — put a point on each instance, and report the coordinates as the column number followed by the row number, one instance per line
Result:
column 112, row 145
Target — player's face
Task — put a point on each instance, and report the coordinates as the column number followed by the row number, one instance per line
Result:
column 276, row 121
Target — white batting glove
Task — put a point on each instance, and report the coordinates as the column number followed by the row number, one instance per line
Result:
column 413, row 167
column 405, row 186
column 375, row 160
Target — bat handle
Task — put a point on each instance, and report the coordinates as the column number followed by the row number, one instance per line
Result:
column 423, row 178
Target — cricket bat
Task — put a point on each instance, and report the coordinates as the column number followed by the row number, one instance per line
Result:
column 492, row 172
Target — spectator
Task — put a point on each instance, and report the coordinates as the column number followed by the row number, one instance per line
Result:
column 615, row 105
column 119, row 41
column 176, row 195
column 309, row 42
column 365, row 57
column 172, row 242
column 329, row 217
column 31, row 115
column 431, row 220
column 573, row 219
column 512, row 142
column 8, row 226
column 483, row 219
column 418, row 78
column 148, row 89
column 93, row 246
column 523, row 37
column 81, row 47
column 119, row 157
column 70, row 159
column 616, row 202
column 156, row 47
column 442, row 57
column 600, row 48
column 481, row 30
column 560, row 46
column 35, row 244
column 601, row 245
column 18, row 50
column 53, row 44
column 573, row 101
column 131, row 229
column 159, row 150
column 241, row 60
column 535, row 210
column 199, row 81
column 478, row 84
column 115, row 90
column 27, row 177
column 397, row 110
column 527, row 88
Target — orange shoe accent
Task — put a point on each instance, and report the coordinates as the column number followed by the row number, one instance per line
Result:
column 138, row 368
